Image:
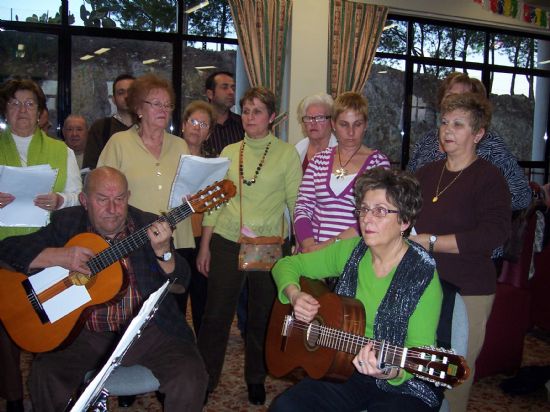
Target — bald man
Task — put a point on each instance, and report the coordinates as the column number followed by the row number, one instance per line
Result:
column 75, row 134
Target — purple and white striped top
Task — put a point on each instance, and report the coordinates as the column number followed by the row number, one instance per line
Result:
column 319, row 212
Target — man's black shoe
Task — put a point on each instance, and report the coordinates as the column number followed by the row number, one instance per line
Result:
column 256, row 393
column 15, row 406
column 126, row 401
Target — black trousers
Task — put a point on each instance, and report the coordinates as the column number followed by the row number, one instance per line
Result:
column 358, row 393
column 225, row 282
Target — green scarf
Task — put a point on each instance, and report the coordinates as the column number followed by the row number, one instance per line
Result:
column 42, row 150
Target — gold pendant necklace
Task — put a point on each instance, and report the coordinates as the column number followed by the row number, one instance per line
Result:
column 341, row 172
column 437, row 192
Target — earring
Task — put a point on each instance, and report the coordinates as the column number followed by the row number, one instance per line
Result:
column 140, row 116
column 402, row 233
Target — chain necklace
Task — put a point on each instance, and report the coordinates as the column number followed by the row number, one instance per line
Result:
column 437, row 192
column 342, row 172
column 260, row 165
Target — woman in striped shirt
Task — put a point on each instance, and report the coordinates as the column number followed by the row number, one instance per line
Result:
column 325, row 205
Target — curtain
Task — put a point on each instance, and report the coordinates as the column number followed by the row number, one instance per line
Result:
column 355, row 30
column 262, row 29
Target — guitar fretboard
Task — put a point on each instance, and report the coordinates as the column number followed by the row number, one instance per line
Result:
column 346, row 342
column 137, row 239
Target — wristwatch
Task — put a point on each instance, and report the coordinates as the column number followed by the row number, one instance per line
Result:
column 433, row 238
column 166, row 256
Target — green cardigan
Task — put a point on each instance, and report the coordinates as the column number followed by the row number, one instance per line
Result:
column 42, row 150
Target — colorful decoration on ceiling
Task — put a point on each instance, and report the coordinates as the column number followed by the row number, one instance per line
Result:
column 518, row 9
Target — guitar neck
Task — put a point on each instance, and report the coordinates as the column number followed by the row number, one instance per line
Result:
column 136, row 240
column 347, row 342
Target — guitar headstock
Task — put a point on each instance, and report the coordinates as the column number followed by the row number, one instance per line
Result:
column 440, row 366
column 212, row 196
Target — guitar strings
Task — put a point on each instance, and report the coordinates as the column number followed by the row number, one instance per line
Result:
column 345, row 337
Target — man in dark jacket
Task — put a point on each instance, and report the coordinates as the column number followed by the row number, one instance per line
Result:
column 166, row 346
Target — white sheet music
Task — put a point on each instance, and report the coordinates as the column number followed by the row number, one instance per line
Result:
column 195, row 173
column 94, row 388
column 25, row 183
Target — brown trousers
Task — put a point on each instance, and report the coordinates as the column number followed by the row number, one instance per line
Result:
column 55, row 376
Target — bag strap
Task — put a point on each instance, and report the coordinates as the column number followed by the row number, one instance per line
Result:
column 241, row 160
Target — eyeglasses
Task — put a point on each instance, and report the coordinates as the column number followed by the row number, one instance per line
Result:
column 160, row 106
column 28, row 104
column 195, row 122
column 316, row 119
column 377, row 211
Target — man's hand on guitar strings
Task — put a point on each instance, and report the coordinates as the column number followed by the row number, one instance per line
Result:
column 366, row 363
column 73, row 258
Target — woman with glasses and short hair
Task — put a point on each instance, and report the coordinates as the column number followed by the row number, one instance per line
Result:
column 23, row 144
column 197, row 123
column 314, row 115
column 324, row 209
column 389, row 275
column 147, row 154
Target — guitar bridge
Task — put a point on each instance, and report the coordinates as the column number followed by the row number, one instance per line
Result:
column 35, row 302
column 287, row 325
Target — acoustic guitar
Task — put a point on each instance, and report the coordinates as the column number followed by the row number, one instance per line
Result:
column 325, row 347
column 33, row 311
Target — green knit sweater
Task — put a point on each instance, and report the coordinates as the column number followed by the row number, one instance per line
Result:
column 264, row 202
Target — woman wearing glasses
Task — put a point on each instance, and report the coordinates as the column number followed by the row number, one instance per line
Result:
column 196, row 127
column 324, row 209
column 389, row 275
column 24, row 144
column 147, row 154
column 314, row 115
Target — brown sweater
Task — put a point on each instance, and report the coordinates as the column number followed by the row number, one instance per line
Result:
column 477, row 209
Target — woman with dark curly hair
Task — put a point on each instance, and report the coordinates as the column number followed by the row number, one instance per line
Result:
column 390, row 275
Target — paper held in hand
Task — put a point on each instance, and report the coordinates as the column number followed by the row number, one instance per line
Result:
column 195, row 173
column 25, row 183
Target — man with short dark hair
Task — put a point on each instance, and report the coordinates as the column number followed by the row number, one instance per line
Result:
column 102, row 129
column 75, row 134
column 220, row 91
column 166, row 346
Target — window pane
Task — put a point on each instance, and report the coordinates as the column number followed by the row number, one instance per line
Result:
column 156, row 16
column 520, row 106
column 31, row 11
column 199, row 60
column 424, row 109
column 448, row 43
column 385, row 93
column 512, row 51
column 214, row 19
column 93, row 76
column 394, row 37
column 32, row 55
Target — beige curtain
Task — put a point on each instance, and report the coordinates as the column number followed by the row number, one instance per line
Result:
column 262, row 29
column 355, row 30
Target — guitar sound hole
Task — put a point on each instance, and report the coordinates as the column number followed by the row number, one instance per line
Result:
column 312, row 334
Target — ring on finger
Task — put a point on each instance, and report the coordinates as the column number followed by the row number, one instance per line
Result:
column 155, row 232
column 361, row 363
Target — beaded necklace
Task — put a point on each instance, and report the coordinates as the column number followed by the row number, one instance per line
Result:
column 241, row 167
